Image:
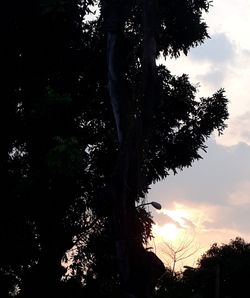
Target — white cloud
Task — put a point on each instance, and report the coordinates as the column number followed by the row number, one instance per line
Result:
column 232, row 18
column 219, row 49
column 241, row 196
column 212, row 71
column 238, row 131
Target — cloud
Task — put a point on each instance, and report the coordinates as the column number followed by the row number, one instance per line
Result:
column 238, row 130
column 211, row 179
column 214, row 78
column 241, row 196
column 217, row 188
column 226, row 16
column 230, row 218
column 219, row 53
column 219, row 49
column 187, row 223
column 163, row 218
column 210, row 63
column 176, row 217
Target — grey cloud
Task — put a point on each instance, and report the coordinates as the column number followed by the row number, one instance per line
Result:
column 188, row 223
column 243, row 122
column 211, row 181
column 236, row 218
column 163, row 219
column 218, row 49
column 220, row 52
column 246, row 135
column 214, row 78
column 246, row 53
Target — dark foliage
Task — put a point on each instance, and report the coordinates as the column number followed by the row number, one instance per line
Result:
column 58, row 141
column 224, row 269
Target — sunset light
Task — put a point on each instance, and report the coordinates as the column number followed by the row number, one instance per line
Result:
column 179, row 221
column 168, row 232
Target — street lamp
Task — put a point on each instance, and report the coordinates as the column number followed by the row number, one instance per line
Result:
column 154, row 204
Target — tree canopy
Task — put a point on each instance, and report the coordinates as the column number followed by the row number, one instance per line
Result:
column 59, row 142
column 222, row 270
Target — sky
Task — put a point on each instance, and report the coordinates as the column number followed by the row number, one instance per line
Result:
column 210, row 201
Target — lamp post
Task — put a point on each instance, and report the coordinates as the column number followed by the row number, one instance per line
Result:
column 154, row 204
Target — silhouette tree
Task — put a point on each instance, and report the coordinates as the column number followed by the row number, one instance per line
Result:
column 127, row 185
column 172, row 286
column 222, row 271
column 43, row 152
column 71, row 159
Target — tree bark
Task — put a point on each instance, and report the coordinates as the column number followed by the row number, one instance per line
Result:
column 150, row 8
column 132, row 259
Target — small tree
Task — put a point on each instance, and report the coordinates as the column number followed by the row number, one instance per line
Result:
column 177, row 251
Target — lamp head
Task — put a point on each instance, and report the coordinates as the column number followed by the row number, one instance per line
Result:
column 156, row 205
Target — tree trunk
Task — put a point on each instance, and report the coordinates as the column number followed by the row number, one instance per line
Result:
column 150, row 8
column 136, row 268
